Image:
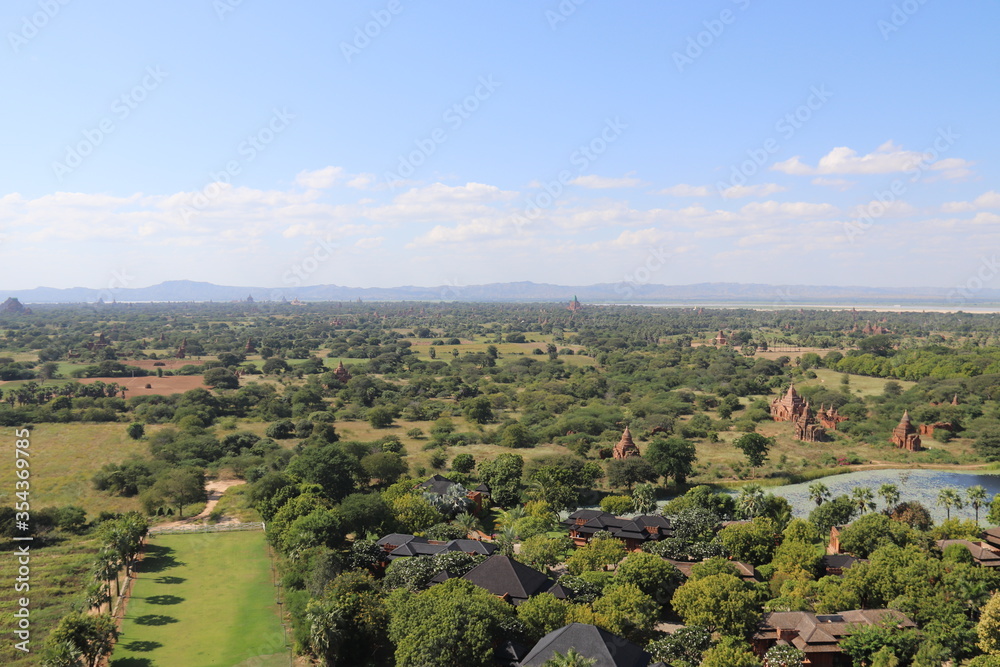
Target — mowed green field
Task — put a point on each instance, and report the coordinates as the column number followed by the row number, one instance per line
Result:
column 203, row 600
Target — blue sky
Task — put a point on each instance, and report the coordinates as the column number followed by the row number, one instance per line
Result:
column 389, row 143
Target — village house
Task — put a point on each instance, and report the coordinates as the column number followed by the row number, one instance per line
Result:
column 509, row 580
column 819, row 635
column 441, row 486
column 593, row 643
column 398, row 545
column 634, row 532
column 983, row 553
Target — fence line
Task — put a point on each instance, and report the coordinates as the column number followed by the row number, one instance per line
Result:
column 208, row 528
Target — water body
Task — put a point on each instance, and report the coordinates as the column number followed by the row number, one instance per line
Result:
column 920, row 485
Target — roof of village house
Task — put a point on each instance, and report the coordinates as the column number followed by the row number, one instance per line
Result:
column 746, row 571
column 992, row 535
column 821, row 633
column 606, row 649
column 505, row 577
column 640, row 527
column 399, row 545
column 839, row 561
column 437, row 484
column 981, row 552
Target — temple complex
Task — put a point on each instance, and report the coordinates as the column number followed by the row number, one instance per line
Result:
column 626, row 449
column 829, row 417
column 720, row 339
column 905, row 436
column 789, row 407
column 342, row 373
column 807, row 428
column 574, row 305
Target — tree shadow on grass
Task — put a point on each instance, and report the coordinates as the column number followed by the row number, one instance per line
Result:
column 155, row 619
column 158, row 558
column 163, row 599
column 139, row 646
column 132, row 662
column 170, row 580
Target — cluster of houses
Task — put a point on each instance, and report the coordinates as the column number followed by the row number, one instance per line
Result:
column 817, row 635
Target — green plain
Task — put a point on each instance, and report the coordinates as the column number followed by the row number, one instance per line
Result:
column 203, row 600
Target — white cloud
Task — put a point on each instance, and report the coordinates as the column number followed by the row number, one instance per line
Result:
column 320, row 179
column 836, row 183
column 886, row 159
column 594, row 182
column 369, row 243
column 759, row 190
column 684, row 190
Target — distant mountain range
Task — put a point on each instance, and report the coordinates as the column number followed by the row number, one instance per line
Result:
column 703, row 294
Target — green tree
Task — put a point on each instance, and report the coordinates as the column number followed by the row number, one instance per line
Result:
column 136, row 430
column 463, row 463
column 598, row 554
column 380, row 417
column 977, row 497
column 672, row 457
column 542, row 552
column 890, row 494
column 624, row 473
column 329, row 466
column 719, row 602
column 866, row 642
column 478, row 410
column 948, row 498
column 542, row 614
column 754, row 447
column 414, row 513
column 626, row 611
column 819, row 493
column 683, row 648
column 384, row 467
column 988, row 629
column 863, row 498
column 752, row 542
column 178, row 487
column 837, row 512
column 616, row 505
column 221, row 378
column 80, row 638
column 644, row 499
column 653, row 575
column 349, row 623
column 503, row 477
column 784, row 656
column 454, row 623
column 730, row 652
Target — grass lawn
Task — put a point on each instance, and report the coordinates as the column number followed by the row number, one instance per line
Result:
column 203, row 600
column 64, row 458
column 868, row 386
column 59, row 573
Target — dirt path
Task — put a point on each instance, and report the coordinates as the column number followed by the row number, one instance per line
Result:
column 215, row 490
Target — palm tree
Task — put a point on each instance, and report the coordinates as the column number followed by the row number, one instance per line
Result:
column 977, row 498
column 750, row 502
column 571, row 659
column 507, row 518
column 819, row 493
column 890, row 494
column 863, row 498
column 948, row 498
column 468, row 522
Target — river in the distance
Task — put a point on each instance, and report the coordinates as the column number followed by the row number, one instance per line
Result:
column 920, row 485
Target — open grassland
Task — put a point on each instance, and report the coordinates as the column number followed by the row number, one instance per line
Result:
column 203, row 600
column 59, row 573
column 64, row 458
column 859, row 384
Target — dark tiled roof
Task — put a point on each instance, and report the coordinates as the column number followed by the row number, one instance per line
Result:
column 408, row 545
column 983, row 556
column 607, row 649
column 437, row 484
column 642, row 527
column 399, row 539
column 502, row 575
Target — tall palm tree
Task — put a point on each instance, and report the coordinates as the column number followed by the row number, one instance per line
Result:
column 819, row 493
column 948, row 498
column 507, row 518
column 750, row 502
column 890, row 494
column 468, row 522
column 863, row 498
column 977, row 498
